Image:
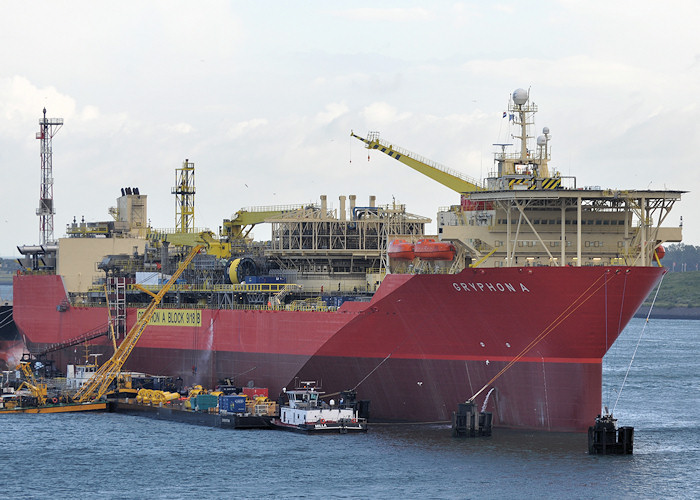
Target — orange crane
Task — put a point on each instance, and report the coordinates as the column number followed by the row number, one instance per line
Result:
column 99, row 383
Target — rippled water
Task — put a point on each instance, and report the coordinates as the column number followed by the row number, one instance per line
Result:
column 6, row 292
column 118, row 456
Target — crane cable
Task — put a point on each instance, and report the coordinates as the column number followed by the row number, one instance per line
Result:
column 580, row 300
column 646, row 322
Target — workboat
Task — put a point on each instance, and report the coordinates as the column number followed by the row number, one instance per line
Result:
column 527, row 284
column 305, row 411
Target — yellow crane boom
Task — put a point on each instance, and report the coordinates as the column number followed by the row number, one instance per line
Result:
column 98, row 384
column 446, row 176
column 246, row 218
column 38, row 389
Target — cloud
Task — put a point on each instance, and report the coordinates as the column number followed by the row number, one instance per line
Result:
column 241, row 128
column 392, row 15
column 267, row 96
column 180, row 128
column 20, row 103
column 332, row 111
column 382, row 113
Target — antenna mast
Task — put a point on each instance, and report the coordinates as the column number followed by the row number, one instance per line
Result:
column 47, row 129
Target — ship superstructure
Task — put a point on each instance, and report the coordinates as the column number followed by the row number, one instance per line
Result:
column 524, row 214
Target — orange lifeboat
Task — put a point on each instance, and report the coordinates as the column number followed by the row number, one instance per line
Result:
column 429, row 249
column 401, row 250
column 660, row 252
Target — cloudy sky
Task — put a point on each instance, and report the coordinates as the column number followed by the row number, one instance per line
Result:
column 262, row 97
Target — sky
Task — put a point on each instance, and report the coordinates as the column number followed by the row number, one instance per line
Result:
column 262, row 97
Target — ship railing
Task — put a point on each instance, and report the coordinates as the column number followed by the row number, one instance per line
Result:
column 37, row 272
column 376, row 270
column 253, row 287
column 517, row 156
column 276, row 208
column 173, row 230
column 237, row 307
column 271, row 288
column 60, row 383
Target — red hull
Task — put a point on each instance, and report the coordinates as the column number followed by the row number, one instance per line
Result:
column 422, row 345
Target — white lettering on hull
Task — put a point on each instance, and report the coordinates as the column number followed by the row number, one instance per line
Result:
column 488, row 287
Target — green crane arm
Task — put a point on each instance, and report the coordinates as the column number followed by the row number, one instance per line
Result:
column 98, row 384
column 447, row 177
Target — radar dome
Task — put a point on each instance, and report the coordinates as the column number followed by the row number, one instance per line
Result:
column 545, row 130
column 541, row 140
column 520, row 96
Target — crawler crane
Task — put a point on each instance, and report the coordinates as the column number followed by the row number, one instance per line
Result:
column 99, row 383
column 38, row 389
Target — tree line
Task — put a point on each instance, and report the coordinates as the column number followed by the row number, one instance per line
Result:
column 681, row 257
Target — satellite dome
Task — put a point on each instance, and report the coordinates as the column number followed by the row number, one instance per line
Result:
column 541, row 140
column 520, row 96
column 545, row 130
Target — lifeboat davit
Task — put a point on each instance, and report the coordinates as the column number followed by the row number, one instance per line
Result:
column 429, row 249
column 401, row 250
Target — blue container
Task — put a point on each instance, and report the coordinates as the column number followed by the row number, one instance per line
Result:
column 232, row 404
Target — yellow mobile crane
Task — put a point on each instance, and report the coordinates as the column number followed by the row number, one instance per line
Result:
column 38, row 389
column 446, row 176
column 98, row 384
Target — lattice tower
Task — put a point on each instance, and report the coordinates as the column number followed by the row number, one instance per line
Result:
column 48, row 127
column 184, row 197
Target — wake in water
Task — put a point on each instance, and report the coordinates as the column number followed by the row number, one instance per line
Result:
column 10, row 353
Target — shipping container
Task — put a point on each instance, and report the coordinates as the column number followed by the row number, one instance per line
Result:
column 253, row 392
column 205, row 401
column 232, row 404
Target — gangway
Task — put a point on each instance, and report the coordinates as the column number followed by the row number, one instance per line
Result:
column 99, row 383
column 84, row 337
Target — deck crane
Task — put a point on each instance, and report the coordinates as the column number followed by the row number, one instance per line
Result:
column 38, row 389
column 98, row 384
column 233, row 231
column 446, row 176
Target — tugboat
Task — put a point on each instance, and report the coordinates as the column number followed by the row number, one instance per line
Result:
column 305, row 412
